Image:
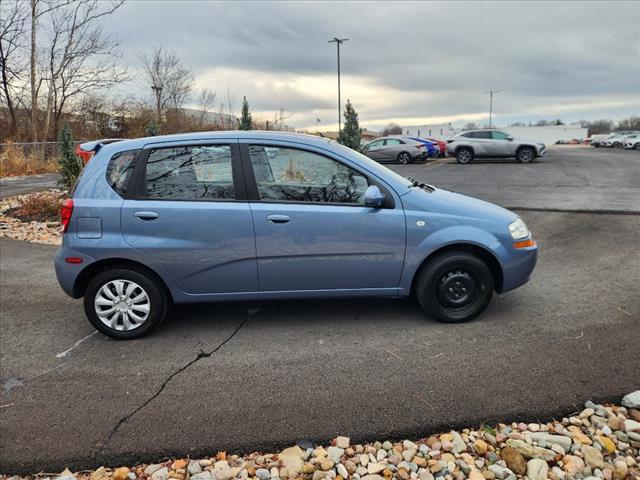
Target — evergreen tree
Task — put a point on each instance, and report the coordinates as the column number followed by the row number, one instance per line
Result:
column 245, row 119
column 152, row 129
column 70, row 164
column 351, row 134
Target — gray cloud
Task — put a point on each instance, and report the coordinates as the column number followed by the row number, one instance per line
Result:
column 436, row 58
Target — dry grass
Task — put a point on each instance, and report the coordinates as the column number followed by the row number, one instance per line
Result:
column 14, row 161
column 41, row 207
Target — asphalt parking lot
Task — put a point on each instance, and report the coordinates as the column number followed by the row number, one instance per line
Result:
column 244, row 376
column 567, row 178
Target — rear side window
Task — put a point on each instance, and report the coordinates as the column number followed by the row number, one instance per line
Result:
column 120, row 169
column 202, row 172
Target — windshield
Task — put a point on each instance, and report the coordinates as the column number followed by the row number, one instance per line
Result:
column 372, row 165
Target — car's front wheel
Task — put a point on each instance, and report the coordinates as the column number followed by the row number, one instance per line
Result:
column 454, row 287
column 125, row 304
column 526, row 155
column 464, row 155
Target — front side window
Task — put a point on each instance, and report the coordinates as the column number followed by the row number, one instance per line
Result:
column 202, row 172
column 377, row 143
column 393, row 141
column 288, row 174
column 120, row 169
column 499, row 135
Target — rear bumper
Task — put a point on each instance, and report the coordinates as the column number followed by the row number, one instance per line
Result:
column 67, row 273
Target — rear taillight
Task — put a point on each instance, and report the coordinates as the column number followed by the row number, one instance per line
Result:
column 65, row 213
column 421, row 146
column 84, row 155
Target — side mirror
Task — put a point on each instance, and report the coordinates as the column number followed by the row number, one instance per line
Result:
column 510, row 139
column 373, row 197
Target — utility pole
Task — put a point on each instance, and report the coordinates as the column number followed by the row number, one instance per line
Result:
column 338, row 42
column 491, row 94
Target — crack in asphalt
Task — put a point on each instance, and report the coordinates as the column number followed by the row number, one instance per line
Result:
column 199, row 357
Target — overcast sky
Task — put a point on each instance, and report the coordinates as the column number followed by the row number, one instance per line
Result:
column 407, row 62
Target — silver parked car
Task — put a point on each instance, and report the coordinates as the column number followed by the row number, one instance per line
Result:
column 495, row 144
column 396, row 149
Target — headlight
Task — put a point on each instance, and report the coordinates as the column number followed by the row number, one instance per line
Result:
column 518, row 229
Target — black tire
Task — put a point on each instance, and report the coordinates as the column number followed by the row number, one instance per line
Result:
column 526, row 154
column 636, row 146
column 404, row 158
column 158, row 302
column 464, row 155
column 443, row 286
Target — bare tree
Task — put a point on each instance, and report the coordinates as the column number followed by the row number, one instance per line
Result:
column 171, row 83
column 80, row 58
column 279, row 117
column 12, row 29
column 206, row 101
column 392, row 129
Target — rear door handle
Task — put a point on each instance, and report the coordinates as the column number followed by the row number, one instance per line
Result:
column 146, row 216
column 273, row 218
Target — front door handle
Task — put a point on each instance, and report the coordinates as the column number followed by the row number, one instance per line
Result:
column 278, row 218
column 146, row 216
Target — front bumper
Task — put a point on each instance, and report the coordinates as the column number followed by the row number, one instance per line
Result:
column 542, row 151
column 518, row 270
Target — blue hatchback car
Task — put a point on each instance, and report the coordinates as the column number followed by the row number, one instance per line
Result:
column 252, row 215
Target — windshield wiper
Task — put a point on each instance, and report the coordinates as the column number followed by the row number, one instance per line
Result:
column 424, row 186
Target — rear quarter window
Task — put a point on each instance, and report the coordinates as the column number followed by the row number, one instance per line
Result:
column 120, row 169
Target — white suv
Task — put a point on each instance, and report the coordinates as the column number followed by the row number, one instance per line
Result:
column 495, row 144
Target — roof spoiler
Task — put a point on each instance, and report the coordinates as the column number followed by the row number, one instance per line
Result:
column 87, row 150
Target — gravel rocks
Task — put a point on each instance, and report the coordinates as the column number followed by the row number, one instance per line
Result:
column 32, row 231
column 601, row 442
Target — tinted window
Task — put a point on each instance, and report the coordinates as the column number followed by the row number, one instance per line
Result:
column 481, row 135
column 392, row 141
column 499, row 135
column 119, row 171
column 202, row 172
column 467, row 135
column 288, row 174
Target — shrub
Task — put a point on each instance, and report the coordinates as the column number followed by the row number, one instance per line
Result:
column 15, row 161
column 70, row 164
column 41, row 207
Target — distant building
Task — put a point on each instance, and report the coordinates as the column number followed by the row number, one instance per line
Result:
column 439, row 130
column 219, row 119
column 367, row 135
column 547, row 134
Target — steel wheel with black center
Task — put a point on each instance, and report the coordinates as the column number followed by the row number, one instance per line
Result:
column 454, row 287
column 125, row 304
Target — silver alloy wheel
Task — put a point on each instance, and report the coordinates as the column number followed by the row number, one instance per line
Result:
column 122, row 305
column 525, row 155
column 464, row 156
column 404, row 158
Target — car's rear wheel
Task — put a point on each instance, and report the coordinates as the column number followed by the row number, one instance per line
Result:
column 404, row 158
column 454, row 287
column 526, row 155
column 464, row 155
column 636, row 146
column 125, row 304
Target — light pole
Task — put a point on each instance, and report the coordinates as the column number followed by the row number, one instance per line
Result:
column 338, row 42
column 491, row 94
